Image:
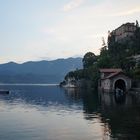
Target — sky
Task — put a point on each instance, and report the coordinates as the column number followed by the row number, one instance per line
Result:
column 51, row 29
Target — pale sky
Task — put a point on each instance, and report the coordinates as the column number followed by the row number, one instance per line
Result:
column 51, row 29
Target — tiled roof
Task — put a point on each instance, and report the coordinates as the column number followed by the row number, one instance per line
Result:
column 112, row 75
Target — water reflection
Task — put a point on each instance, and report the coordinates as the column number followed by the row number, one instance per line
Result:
column 87, row 98
column 123, row 119
column 53, row 113
column 91, row 110
column 48, row 113
column 119, row 116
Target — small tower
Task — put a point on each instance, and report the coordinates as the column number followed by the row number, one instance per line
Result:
column 137, row 24
column 104, row 46
column 103, row 41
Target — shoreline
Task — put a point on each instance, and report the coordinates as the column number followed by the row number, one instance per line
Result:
column 26, row 84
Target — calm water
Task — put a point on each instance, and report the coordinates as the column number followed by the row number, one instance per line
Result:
column 50, row 113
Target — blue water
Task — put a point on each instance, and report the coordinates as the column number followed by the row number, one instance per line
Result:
column 41, row 112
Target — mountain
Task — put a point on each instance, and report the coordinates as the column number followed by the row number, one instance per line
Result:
column 38, row 72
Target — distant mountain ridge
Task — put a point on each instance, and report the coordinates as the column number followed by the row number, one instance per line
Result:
column 38, row 71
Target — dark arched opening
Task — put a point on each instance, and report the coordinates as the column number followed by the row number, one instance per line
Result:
column 120, row 89
column 120, row 84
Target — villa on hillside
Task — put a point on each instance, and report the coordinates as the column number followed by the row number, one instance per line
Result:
column 124, row 32
column 110, row 79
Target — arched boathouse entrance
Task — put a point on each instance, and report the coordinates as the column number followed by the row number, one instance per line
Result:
column 120, row 84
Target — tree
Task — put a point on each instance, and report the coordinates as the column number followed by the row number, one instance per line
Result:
column 104, row 59
column 89, row 59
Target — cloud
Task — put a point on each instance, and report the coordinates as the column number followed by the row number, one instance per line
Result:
column 127, row 12
column 72, row 5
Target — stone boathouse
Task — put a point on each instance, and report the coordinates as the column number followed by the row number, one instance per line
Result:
column 110, row 79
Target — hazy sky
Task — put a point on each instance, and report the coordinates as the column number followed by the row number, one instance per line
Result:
column 50, row 29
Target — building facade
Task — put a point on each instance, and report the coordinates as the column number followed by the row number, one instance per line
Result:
column 124, row 32
column 113, row 78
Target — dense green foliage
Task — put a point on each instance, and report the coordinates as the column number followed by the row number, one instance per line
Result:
column 89, row 59
column 121, row 54
column 115, row 55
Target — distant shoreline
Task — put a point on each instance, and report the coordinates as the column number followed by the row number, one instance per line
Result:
column 26, row 84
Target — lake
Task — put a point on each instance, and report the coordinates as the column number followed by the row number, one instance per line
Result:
column 47, row 112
